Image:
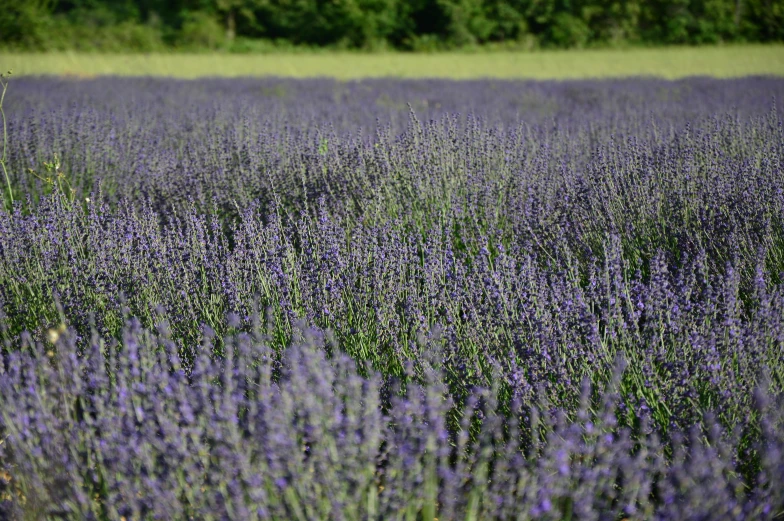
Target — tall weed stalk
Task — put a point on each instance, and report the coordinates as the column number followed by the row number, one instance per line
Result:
column 4, row 87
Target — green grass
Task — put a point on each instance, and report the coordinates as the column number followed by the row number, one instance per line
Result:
column 673, row 62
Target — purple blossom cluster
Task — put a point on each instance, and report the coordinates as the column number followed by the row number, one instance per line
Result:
column 279, row 299
column 226, row 142
column 122, row 430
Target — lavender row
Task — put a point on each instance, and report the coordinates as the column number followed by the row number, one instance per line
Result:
column 121, row 431
column 698, row 334
column 605, row 256
column 226, row 142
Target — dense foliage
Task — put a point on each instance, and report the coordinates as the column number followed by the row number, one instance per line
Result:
column 145, row 25
column 274, row 299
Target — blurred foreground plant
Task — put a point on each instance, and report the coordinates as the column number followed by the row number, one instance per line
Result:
column 127, row 430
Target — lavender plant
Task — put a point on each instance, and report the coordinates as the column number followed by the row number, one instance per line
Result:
column 318, row 300
column 121, row 429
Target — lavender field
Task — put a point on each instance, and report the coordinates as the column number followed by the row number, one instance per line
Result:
column 392, row 299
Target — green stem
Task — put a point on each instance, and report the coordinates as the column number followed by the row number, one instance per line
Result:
column 4, row 85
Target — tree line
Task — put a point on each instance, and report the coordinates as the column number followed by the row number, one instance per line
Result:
column 148, row 25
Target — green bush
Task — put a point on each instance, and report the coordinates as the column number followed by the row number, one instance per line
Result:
column 125, row 36
column 201, row 30
column 569, row 31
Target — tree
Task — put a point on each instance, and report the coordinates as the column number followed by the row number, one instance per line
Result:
column 230, row 10
column 24, row 23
